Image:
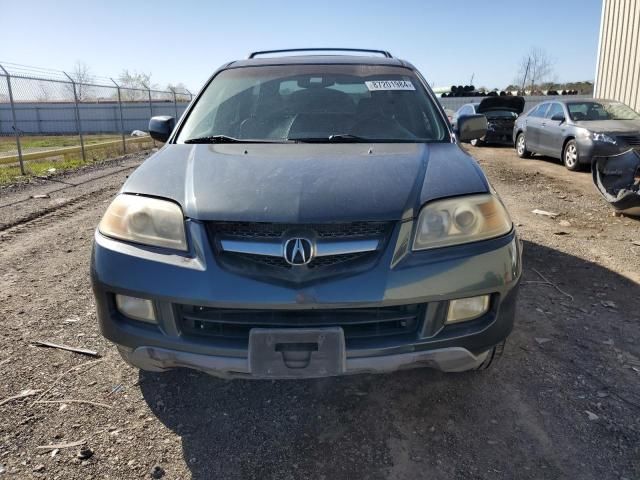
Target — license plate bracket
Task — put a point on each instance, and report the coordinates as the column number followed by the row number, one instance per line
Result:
column 296, row 352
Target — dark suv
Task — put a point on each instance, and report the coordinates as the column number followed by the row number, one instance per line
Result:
column 308, row 216
column 501, row 113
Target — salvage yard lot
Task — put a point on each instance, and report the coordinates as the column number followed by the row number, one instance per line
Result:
column 564, row 402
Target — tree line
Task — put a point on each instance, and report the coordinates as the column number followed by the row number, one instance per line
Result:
column 134, row 86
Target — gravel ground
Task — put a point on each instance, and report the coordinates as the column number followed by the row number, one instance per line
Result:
column 564, row 402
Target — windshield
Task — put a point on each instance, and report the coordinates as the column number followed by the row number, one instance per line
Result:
column 590, row 111
column 316, row 102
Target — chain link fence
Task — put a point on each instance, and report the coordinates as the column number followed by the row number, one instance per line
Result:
column 47, row 117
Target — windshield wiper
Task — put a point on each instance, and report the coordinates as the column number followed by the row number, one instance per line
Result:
column 348, row 138
column 337, row 138
column 227, row 139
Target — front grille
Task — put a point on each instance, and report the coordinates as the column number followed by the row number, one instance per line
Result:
column 318, row 262
column 357, row 323
column 277, row 230
column 262, row 266
column 500, row 125
column 332, row 260
column 631, row 140
column 502, row 122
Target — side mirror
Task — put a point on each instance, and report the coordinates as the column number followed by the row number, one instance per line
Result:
column 160, row 128
column 558, row 117
column 470, row 127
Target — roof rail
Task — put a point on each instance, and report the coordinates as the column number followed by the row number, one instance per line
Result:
column 362, row 50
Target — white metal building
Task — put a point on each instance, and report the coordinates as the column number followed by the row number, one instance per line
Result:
column 618, row 64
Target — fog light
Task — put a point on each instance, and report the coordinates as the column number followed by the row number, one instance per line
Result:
column 463, row 309
column 136, row 308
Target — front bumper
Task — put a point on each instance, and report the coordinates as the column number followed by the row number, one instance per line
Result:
column 452, row 359
column 499, row 136
column 500, row 133
column 429, row 278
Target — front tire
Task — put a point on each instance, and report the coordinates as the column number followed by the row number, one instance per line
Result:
column 492, row 357
column 521, row 146
column 570, row 156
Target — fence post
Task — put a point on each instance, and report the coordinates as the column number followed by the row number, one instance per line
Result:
column 175, row 102
column 150, row 104
column 15, row 123
column 124, row 142
column 150, row 108
column 78, row 124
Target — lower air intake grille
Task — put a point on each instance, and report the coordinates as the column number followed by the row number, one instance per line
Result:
column 631, row 140
column 357, row 323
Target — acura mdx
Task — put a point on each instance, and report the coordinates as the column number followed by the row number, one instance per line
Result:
column 311, row 214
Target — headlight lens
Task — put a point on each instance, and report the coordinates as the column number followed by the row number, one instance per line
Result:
column 150, row 221
column 461, row 220
column 464, row 309
column 136, row 308
column 603, row 137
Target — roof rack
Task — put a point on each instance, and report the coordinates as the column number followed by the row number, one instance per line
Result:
column 384, row 53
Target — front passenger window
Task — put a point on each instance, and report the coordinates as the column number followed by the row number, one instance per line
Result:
column 539, row 111
column 554, row 109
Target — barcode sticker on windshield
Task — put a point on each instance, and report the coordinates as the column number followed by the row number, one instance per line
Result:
column 390, row 85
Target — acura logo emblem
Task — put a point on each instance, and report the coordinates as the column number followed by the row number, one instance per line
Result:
column 298, row 251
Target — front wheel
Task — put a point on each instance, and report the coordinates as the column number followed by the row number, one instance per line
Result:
column 521, row 146
column 492, row 357
column 570, row 156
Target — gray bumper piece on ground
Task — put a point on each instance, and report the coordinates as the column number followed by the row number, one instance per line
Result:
column 616, row 177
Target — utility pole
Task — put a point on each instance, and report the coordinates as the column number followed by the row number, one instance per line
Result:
column 526, row 73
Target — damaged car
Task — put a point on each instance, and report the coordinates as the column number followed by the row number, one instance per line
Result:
column 617, row 177
column 578, row 132
column 501, row 113
column 616, row 162
column 309, row 216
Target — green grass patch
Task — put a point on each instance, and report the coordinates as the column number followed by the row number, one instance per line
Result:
column 8, row 144
column 11, row 173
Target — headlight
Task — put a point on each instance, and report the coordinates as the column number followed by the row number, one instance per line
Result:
column 463, row 309
column 603, row 137
column 150, row 221
column 461, row 220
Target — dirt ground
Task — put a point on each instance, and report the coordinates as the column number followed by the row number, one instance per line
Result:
column 564, row 402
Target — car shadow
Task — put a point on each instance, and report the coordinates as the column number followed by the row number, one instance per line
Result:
column 555, row 161
column 488, row 145
column 421, row 422
column 497, row 145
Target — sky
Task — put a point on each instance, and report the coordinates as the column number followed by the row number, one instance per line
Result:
column 447, row 40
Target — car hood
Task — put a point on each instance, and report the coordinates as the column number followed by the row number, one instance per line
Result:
column 304, row 183
column 611, row 126
column 509, row 103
